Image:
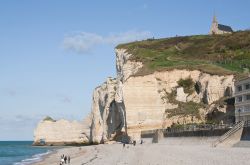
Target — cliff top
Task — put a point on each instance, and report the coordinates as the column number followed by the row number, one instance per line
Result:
column 214, row 54
column 48, row 118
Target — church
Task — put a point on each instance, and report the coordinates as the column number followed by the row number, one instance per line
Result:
column 217, row 28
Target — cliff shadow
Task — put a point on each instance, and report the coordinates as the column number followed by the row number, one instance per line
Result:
column 116, row 119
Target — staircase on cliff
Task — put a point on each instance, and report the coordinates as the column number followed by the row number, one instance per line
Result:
column 231, row 137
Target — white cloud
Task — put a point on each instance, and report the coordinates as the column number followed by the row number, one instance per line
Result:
column 83, row 42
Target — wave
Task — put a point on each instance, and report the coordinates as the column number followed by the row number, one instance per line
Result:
column 35, row 158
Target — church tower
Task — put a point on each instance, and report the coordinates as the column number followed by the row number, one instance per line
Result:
column 217, row 28
column 214, row 26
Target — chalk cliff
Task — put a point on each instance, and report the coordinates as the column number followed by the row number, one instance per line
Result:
column 62, row 132
column 160, row 82
column 124, row 106
column 132, row 103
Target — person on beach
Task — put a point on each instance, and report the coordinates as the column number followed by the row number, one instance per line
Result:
column 123, row 145
column 62, row 161
column 68, row 159
column 65, row 159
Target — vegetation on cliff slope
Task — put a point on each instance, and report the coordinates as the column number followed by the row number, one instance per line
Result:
column 187, row 84
column 184, row 109
column 48, row 118
column 214, row 54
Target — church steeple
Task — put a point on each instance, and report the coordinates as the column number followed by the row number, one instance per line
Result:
column 214, row 19
column 217, row 28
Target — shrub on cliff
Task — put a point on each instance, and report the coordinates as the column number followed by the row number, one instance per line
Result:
column 187, row 84
column 48, row 118
column 185, row 109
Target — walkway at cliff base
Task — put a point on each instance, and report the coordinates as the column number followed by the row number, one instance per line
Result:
column 227, row 135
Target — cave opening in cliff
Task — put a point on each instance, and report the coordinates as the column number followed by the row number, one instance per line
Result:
column 116, row 118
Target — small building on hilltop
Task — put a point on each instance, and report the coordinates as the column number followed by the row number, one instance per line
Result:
column 217, row 28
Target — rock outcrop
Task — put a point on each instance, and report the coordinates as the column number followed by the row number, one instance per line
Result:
column 106, row 118
column 62, row 132
column 138, row 103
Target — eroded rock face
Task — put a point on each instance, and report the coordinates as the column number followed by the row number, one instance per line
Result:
column 181, row 95
column 146, row 97
column 107, row 119
column 124, row 67
column 141, row 101
column 62, row 132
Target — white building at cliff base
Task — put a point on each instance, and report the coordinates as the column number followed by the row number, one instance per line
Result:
column 242, row 100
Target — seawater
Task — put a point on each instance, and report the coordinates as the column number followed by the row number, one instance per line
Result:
column 21, row 153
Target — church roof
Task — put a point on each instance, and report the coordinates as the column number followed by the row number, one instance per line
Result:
column 225, row 28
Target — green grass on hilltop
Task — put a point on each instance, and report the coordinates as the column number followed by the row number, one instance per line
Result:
column 214, row 54
column 48, row 118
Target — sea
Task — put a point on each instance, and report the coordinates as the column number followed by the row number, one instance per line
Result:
column 21, row 152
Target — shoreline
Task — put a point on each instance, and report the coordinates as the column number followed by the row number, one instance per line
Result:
column 44, row 157
column 35, row 158
column 54, row 157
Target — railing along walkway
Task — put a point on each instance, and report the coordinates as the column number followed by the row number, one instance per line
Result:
column 228, row 134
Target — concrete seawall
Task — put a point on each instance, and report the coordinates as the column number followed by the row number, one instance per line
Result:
column 199, row 133
column 245, row 134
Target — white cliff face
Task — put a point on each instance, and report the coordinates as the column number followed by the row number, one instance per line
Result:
column 211, row 87
column 124, row 67
column 106, row 118
column 145, row 106
column 62, row 132
column 181, row 95
column 130, row 104
column 142, row 101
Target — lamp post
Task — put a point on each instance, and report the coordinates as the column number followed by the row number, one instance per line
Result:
column 239, row 110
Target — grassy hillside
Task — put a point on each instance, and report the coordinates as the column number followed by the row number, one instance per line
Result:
column 217, row 54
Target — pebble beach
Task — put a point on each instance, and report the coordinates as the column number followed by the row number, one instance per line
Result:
column 170, row 151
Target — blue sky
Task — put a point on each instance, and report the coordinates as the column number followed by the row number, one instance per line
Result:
column 54, row 53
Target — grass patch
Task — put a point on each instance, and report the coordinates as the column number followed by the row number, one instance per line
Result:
column 213, row 54
column 183, row 109
column 187, row 84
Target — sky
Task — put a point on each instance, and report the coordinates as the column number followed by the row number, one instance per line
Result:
column 54, row 53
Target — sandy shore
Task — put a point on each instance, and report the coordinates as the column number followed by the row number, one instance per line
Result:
column 171, row 151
